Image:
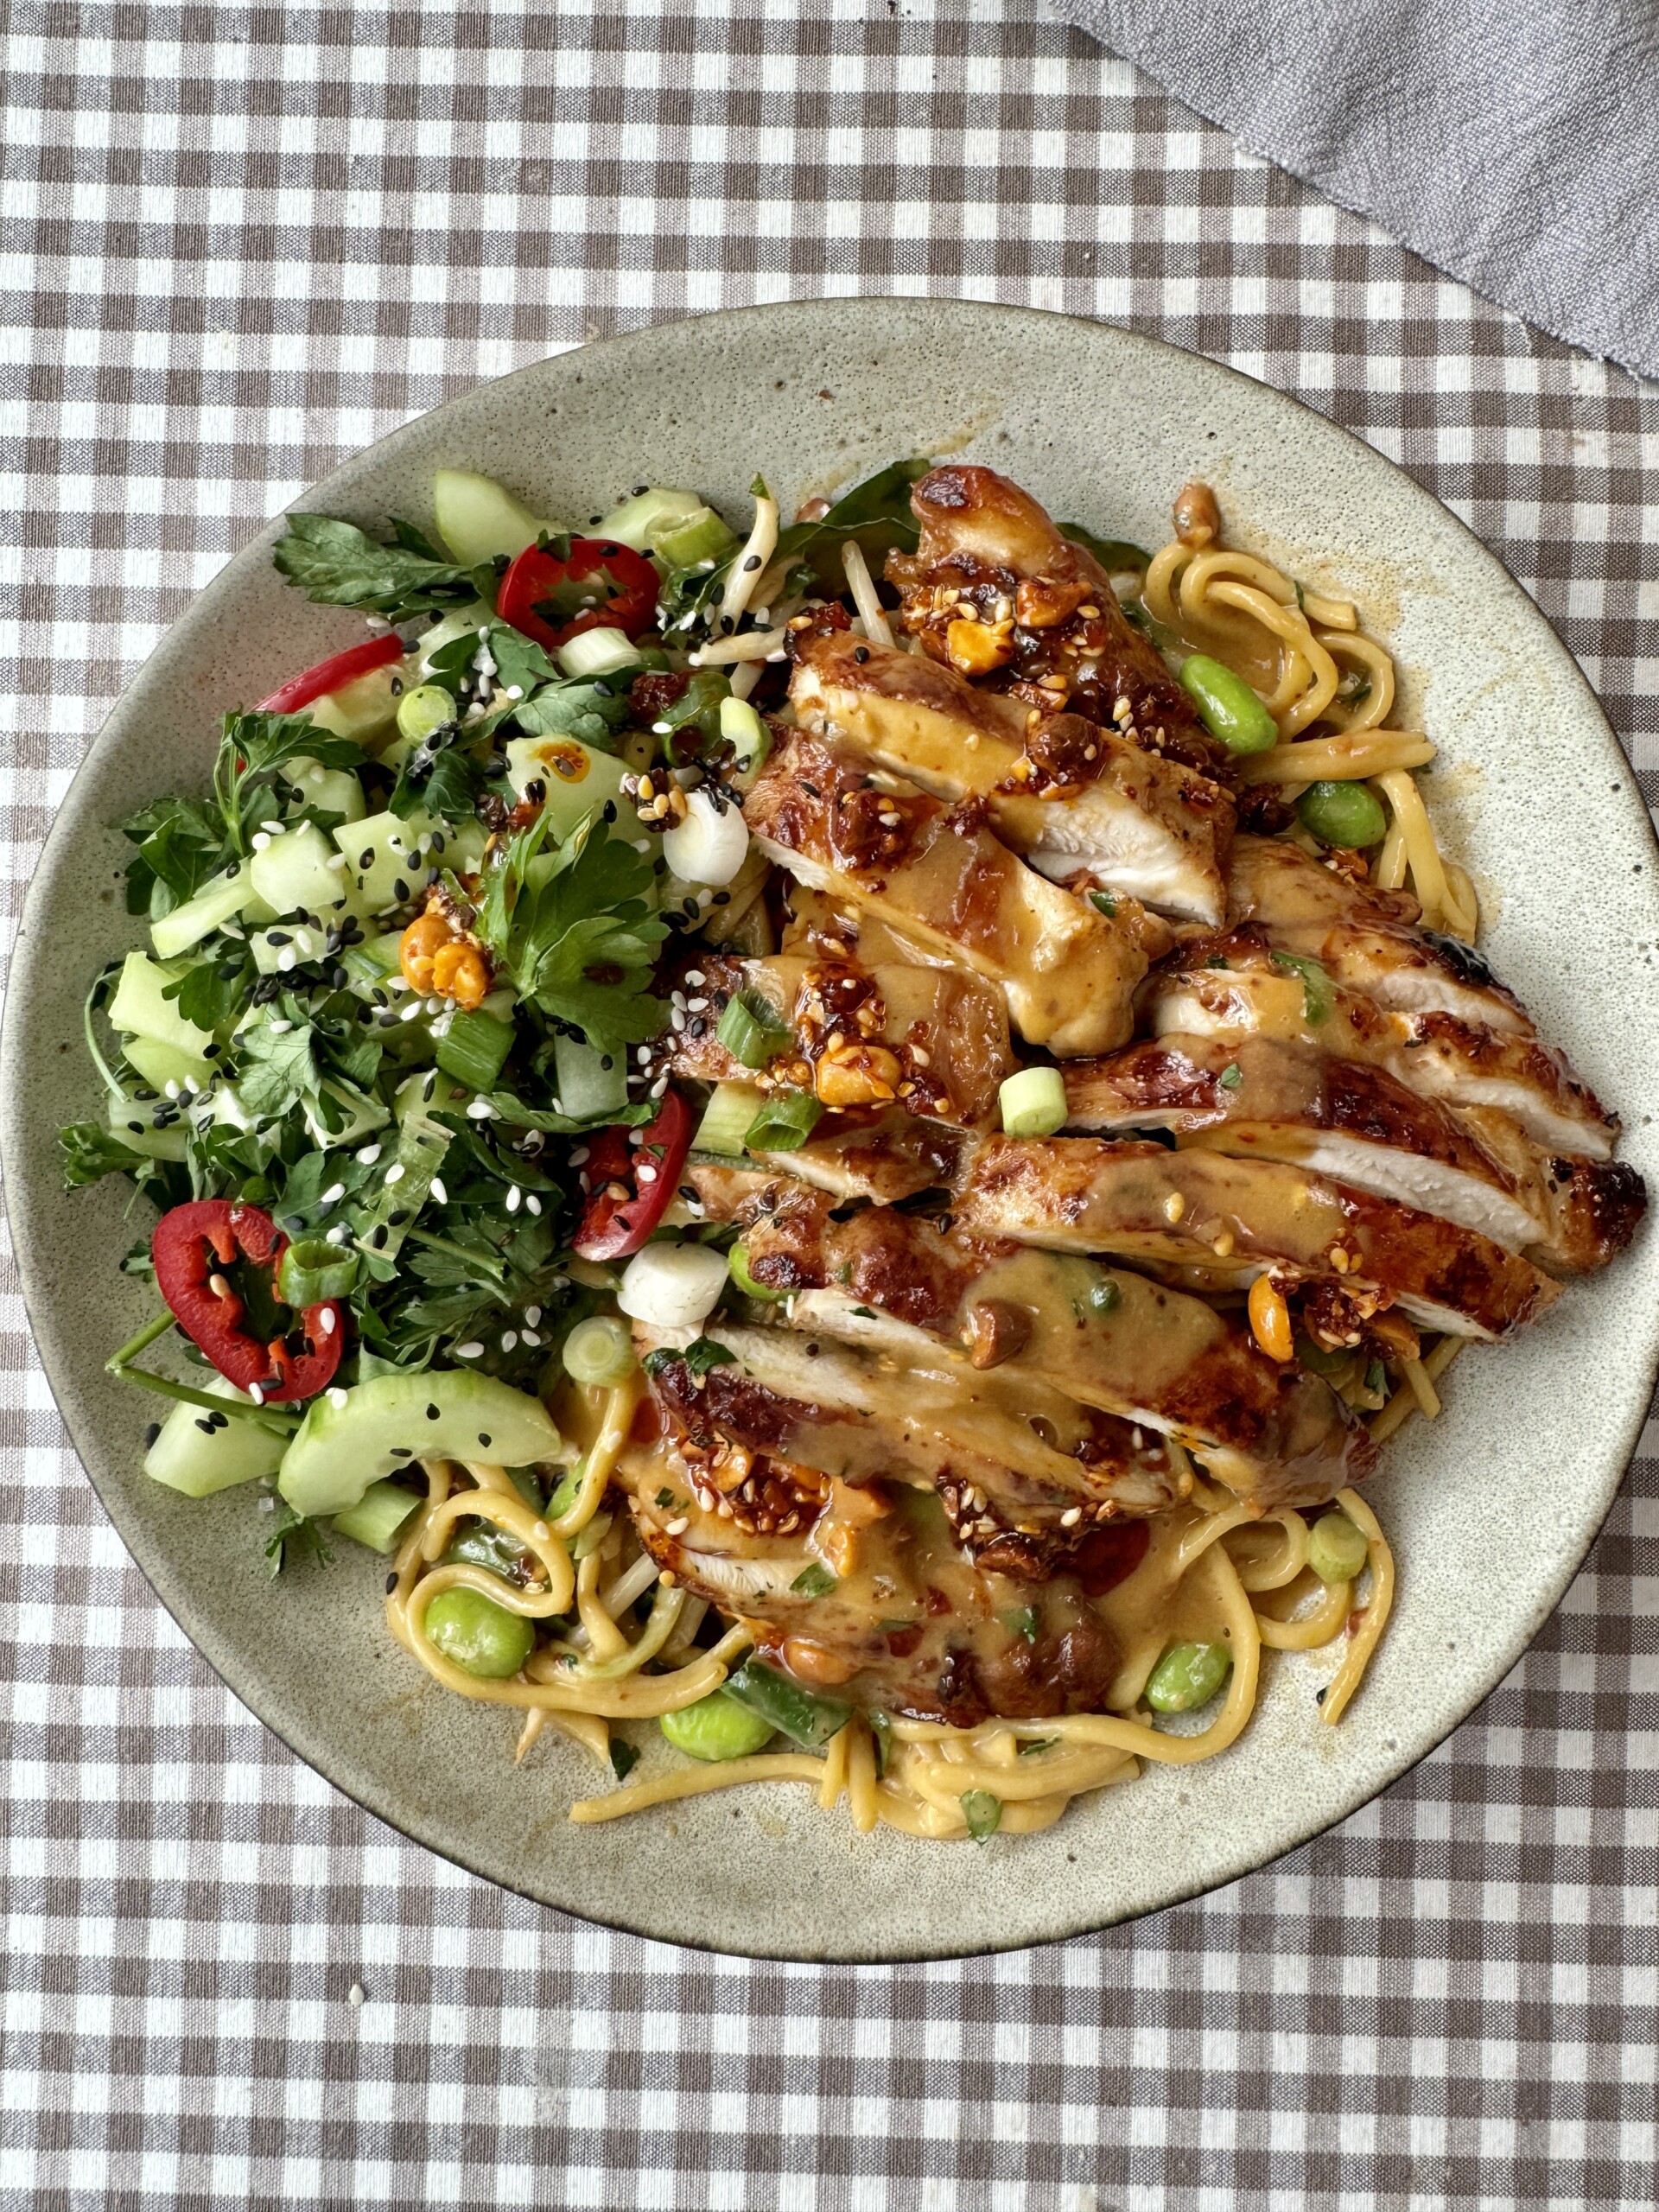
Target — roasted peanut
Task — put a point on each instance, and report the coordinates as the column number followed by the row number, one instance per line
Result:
column 1270, row 1319
column 976, row 650
column 857, row 1075
column 1197, row 519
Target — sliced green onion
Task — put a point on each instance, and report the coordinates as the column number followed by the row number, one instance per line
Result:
column 752, row 1031
column 982, row 1813
column 1336, row 1548
column 377, row 1516
column 727, row 1118
column 743, row 729
column 1033, row 1102
column 702, row 537
column 474, row 1049
column 598, row 1352
column 804, row 1717
column 315, row 1269
column 424, row 711
column 785, row 1121
column 1021, row 1622
column 599, row 651
column 737, row 1266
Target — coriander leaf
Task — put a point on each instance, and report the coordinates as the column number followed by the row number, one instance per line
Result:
column 581, row 940
column 209, row 993
column 582, row 708
column 516, row 1114
column 179, row 843
column 90, row 1153
column 253, row 749
column 519, row 659
column 336, row 564
column 702, row 1353
column 288, row 1527
column 416, row 540
column 624, row 1758
column 277, row 1072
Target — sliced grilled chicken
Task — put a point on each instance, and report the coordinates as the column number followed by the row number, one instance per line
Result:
column 931, row 1042
column 938, row 874
column 1237, row 1218
column 995, row 591
column 1234, row 986
column 1033, row 1456
column 906, row 1286
column 909, row 1624
column 1364, row 936
column 1265, row 1100
column 1064, row 792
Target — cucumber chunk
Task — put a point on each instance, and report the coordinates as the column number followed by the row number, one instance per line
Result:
column 478, row 518
column 366, row 710
column 577, row 780
column 598, row 652
column 376, row 1517
column 293, row 873
column 382, row 852
column 275, row 951
column 138, row 1008
column 158, row 1064
column 648, row 516
column 198, row 1462
column 352, row 1438
column 332, row 791
column 586, row 1085
column 217, row 902
column 130, row 1123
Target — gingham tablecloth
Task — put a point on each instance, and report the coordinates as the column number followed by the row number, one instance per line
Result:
column 239, row 244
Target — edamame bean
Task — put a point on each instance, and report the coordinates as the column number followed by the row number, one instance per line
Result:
column 424, row 709
column 716, row 1727
column 1187, row 1676
column 1343, row 813
column 478, row 1636
column 1336, row 1548
column 1227, row 707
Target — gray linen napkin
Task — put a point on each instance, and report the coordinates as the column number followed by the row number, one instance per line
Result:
column 1515, row 143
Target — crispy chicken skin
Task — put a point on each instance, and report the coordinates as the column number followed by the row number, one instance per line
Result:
column 995, row 591
column 899, row 1284
column 1264, row 1099
column 921, row 1040
column 1237, row 1218
column 1065, row 792
column 1365, row 937
column 1238, row 985
column 938, row 874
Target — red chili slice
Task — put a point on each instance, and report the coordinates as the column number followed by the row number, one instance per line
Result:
column 529, row 597
column 331, row 675
column 613, row 1227
column 196, row 1242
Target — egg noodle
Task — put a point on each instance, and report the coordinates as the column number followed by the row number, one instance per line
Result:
column 1214, row 1571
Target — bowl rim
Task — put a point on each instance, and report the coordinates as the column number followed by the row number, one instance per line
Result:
column 179, row 637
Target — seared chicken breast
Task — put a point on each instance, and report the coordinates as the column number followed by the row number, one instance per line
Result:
column 938, row 874
column 1230, row 1220
column 1066, row 794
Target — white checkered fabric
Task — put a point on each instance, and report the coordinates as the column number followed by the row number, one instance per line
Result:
column 241, row 242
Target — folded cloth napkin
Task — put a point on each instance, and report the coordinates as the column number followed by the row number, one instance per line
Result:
column 1515, row 143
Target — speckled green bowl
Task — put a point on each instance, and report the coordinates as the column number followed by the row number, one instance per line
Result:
column 1490, row 1509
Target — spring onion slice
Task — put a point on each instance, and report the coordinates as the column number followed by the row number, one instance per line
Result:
column 752, row 1030
column 785, row 1122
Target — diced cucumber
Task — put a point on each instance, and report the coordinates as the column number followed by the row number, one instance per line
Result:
column 376, row 1517
column 158, row 1064
column 728, row 1119
column 275, row 950
column 138, row 1008
column 462, row 849
column 641, row 521
column 293, row 875
column 382, row 853
column 478, row 518
column 365, row 709
column 589, row 1083
column 333, row 790
column 350, row 1439
column 369, row 964
column 576, row 779
column 199, row 1461
column 217, row 902
column 131, row 1124
column 597, row 653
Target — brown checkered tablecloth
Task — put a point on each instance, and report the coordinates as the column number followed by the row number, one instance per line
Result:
column 240, row 243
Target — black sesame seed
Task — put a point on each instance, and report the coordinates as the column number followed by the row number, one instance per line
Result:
column 753, row 562
column 151, row 1433
column 432, row 1412
column 402, row 1452
column 206, row 1426
column 378, row 1239
column 366, row 860
column 400, row 889
column 860, row 654
column 610, row 809
column 279, row 936
column 483, row 1439
column 391, row 1584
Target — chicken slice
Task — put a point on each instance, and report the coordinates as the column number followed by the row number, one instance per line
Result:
column 930, row 1041
column 1031, row 1456
column 904, row 1285
column 1236, row 986
column 938, row 874
column 1263, row 1099
column 909, row 1624
column 1065, row 792
column 993, row 590
column 1234, row 1219
column 1365, row 937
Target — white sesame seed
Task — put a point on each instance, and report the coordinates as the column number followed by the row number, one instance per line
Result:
column 279, row 1027
column 337, row 862
column 286, row 959
column 338, row 1233
column 481, row 1110
column 339, row 1399
column 515, row 1197
column 678, row 1527
column 261, row 839
column 533, row 1203
column 509, row 1339
column 643, row 1056
column 1071, row 1517
column 355, row 1995
column 412, row 1011
column 660, row 1086
column 533, row 1314
column 333, row 1195
column 170, row 1088
column 369, row 1155
column 255, row 1394
column 530, row 1336
column 435, row 1005
column 579, row 1156
column 396, row 982
column 394, row 1173
column 327, row 1320
column 440, row 1191
column 696, row 1006
column 647, row 1173
column 469, row 1351
column 696, row 977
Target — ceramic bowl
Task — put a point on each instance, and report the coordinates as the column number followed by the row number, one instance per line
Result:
column 1490, row 1508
